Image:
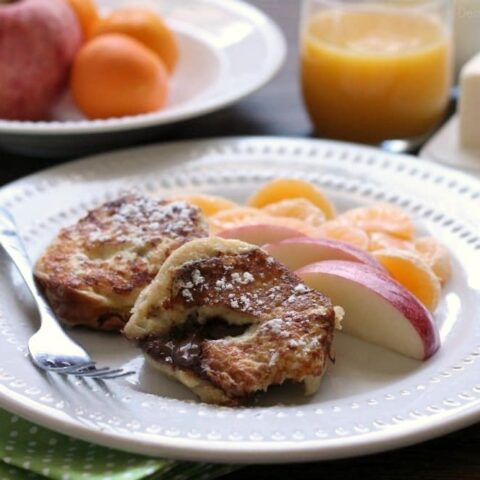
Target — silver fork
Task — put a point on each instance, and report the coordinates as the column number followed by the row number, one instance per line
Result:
column 51, row 349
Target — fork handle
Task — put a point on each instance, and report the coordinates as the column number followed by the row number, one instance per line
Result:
column 13, row 245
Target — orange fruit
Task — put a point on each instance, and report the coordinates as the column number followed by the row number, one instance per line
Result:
column 285, row 188
column 289, row 222
column 234, row 217
column 209, row 204
column 334, row 230
column 87, row 15
column 413, row 273
column 380, row 241
column 436, row 255
column 240, row 216
column 114, row 75
column 299, row 208
column 382, row 217
column 145, row 26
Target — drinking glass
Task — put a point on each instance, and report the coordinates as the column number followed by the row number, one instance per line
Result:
column 376, row 72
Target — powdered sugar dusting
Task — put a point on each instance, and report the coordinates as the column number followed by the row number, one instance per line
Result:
column 275, row 325
column 273, row 358
column 137, row 219
column 187, row 294
column 197, row 277
column 301, row 288
column 243, row 278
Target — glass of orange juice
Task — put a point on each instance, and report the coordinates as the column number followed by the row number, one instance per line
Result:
column 376, row 71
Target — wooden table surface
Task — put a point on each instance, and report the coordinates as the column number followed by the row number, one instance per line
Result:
column 277, row 110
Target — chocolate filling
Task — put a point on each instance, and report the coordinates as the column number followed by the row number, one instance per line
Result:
column 182, row 347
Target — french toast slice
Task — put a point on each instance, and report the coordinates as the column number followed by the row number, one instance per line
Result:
column 227, row 320
column 94, row 270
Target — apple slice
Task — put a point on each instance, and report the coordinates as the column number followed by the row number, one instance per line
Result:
column 260, row 234
column 377, row 308
column 298, row 252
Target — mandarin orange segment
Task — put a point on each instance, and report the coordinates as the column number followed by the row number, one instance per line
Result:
column 381, row 217
column 87, row 15
column 380, row 241
column 413, row 273
column 436, row 255
column 334, row 230
column 293, row 223
column 237, row 217
column 234, row 217
column 144, row 26
column 114, row 76
column 299, row 208
column 286, row 188
column 208, row 204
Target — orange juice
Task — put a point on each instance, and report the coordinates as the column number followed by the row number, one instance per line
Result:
column 369, row 76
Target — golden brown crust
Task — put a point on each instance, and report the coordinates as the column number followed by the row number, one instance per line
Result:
column 94, row 270
column 290, row 327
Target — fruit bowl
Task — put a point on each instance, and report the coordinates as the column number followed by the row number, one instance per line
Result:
column 216, row 68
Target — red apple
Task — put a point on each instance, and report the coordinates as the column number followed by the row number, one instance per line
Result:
column 296, row 253
column 259, row 234
column 38, row 40
column 377, row 308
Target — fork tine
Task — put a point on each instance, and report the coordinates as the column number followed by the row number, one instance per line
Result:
column 71, row 368
column 117, row 375
column 92, row 372
column 104, row 372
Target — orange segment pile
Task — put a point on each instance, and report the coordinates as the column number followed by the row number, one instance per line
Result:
column 380, row 241
column 241, row 216
column 413, row 273
column 382, row 217
column 436, row 255
column 114, row 75
column 146, row 27
column 335, row 230
column 299, row 208
column 235, row 217
column 287, row 188
column 420, row 264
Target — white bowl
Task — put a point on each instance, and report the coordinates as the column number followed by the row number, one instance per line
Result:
column 228, row 48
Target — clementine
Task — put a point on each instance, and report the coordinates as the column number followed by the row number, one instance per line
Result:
column 335, row 230
column 299, row 208
column 381, row 217
column 413, row 273
column 114, row 75
column 146, row 27
column 87, row 15
column 436, row 255
column 287, row 188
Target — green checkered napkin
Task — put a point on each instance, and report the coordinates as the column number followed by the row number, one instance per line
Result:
column 31, row 452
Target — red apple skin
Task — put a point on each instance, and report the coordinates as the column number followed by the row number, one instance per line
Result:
column 38, row 41
column 389, row 289
column 317, row 250
column 259, row 234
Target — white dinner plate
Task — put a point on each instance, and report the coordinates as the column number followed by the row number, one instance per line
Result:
column 228, row 49
column 370, row 400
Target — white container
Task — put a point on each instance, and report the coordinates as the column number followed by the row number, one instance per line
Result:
column 467, row 32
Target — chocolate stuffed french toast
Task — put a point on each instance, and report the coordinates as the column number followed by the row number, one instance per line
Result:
column 93, row 271
column 227, row 320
